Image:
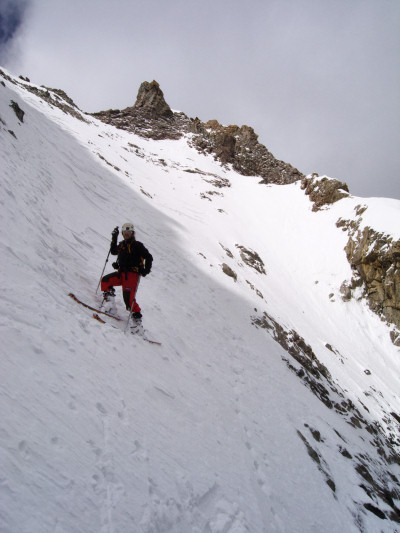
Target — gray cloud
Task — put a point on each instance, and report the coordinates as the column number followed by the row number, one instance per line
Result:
column 12, row 14
column 318, row 81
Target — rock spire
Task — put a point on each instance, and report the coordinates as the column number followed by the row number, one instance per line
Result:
column 150, row 100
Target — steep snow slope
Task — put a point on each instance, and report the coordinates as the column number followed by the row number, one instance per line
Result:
column 219, row 429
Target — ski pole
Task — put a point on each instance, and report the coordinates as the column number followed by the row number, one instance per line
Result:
column 104, row 267
column 133, row 303
column 115, row 232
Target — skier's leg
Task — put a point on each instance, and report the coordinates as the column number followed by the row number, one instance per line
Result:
column 129, row 287
column 111, row 280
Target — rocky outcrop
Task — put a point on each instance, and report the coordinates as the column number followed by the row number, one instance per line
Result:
column 58, row 98
column 55, row 97
column 151, row 117
column 324, row 191
column 150, row 101
column 252, row 259
column 17, row 110
column 375, row 261
column 239, row 147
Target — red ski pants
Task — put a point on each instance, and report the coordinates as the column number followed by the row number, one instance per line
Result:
column 129, row 282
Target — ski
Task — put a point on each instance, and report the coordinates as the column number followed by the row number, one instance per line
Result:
column 98, row 312
column 77, row 300
column 96, row 317
column 150, row 341
column 141, row 335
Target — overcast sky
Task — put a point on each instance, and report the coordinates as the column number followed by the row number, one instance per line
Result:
column 318, row 80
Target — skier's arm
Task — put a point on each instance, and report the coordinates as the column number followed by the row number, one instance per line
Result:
column 148, row 262
column 114, row 245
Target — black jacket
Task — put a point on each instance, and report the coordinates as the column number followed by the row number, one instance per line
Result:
column 133, row 256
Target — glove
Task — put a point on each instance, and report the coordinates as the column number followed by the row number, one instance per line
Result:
column 114, row 235
column 143, row 272
column 115, row 265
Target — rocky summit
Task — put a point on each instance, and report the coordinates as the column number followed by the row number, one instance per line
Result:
column 151, row 117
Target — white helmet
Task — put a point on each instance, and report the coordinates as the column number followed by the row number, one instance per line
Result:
column 128, row 226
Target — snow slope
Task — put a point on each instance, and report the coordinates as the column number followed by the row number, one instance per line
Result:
column 215, row 431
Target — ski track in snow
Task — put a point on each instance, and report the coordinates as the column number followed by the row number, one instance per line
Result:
column 210, row 432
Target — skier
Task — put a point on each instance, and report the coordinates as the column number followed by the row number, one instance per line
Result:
column 134, row 260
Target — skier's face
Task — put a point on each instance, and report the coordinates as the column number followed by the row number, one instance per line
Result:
column 127, row 234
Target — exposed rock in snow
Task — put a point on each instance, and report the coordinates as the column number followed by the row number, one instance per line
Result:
column 324, row 191
column 239, row 147
column 375, row 261
column 384, row 437
column 54, row 97
column 252, row 259
column 17, row 110
column 226, row 269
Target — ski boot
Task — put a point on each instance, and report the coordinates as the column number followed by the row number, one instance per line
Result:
column 136, row 325
column 108, row 305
